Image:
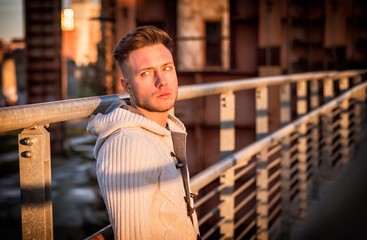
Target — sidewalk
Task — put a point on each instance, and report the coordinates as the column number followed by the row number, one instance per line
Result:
column 340, row 213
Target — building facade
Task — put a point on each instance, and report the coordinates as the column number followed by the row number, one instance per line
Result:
column 218, row 40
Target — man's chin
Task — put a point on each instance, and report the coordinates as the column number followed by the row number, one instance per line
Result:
column 162, row 109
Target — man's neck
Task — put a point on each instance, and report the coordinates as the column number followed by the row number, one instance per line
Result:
column 158, row 117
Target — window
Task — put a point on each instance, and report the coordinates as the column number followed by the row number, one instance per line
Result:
column 213, row 43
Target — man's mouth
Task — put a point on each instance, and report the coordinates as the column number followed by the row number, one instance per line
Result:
column 164, row 95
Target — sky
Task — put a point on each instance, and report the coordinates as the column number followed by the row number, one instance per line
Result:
column 11, row 18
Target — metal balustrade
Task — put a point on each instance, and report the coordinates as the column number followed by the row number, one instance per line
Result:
column 254, row 193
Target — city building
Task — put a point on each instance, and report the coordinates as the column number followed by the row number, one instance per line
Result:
column 83, row 33
column 12, row 83
column 218, row 40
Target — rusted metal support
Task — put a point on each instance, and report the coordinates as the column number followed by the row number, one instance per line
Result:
column 227, row 146
column 35, row 183
column 262, row 174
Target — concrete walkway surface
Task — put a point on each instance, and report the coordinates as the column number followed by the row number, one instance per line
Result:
column 340, row 212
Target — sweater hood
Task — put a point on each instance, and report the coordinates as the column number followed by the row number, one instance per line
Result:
column 120, row 116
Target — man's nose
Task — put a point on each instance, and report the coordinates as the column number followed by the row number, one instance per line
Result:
column 160, row 79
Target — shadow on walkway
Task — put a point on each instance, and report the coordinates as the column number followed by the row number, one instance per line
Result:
column 340, row 213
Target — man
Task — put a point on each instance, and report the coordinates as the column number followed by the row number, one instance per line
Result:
column 141, row 148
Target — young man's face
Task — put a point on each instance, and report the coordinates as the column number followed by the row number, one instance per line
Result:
column 151, row 80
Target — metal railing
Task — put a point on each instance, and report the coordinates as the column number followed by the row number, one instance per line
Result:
column 255, row 192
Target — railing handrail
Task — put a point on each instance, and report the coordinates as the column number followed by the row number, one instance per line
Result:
column 214, row 171
column 26, row 116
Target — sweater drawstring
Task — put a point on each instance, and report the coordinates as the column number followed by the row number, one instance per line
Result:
column 182, row 166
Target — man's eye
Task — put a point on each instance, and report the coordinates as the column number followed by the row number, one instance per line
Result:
column 167, row 68
column 144, row 74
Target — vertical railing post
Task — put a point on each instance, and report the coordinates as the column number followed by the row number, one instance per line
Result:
column 344, row 122
column 227, row 146
column 262, row 175
column 358, row 109
column 35, row 183
column 343, row 84
column 285, row 163
column 357, row 79
column 314, row 103
column 302, row 147
column 359, row 113
column 327, row 129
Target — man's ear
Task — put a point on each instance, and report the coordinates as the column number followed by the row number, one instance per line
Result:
column 126, row 85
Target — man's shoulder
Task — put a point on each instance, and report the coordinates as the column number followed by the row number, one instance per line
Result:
column 175, row 124
column 135, row 137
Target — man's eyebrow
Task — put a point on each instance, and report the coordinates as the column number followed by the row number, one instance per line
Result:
column 152, row 67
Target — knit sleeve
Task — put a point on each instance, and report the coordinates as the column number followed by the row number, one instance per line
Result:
column 127, row 178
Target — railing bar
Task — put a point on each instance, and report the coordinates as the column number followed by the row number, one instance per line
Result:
column 335, row 156
column 293, row 136
column 209, row 195
column 246, row 230
column 335, row 145
column 308, row 136
column 206, row 89
column 212, row 229
column 274, row 188
column 274, row 150
column 275, row 212
column 12, row 118
column 293, row 170
column 293, row 158
column 335, row 134
column 293, row 180
column 293, row 148
column 336, row 111
column 310, row 163
column 244, row 171
column 353, row 118
column 65, row 110
column 244, row 186
column 245, row 201
column 274, row 176
column 277, row 232
column 245, row 217
column 274, row 163
column 293, row 191
column 209, row 214
column 336, row 123
column 273, row 201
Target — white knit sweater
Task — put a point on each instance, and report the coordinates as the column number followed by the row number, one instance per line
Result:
column 140, row 184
